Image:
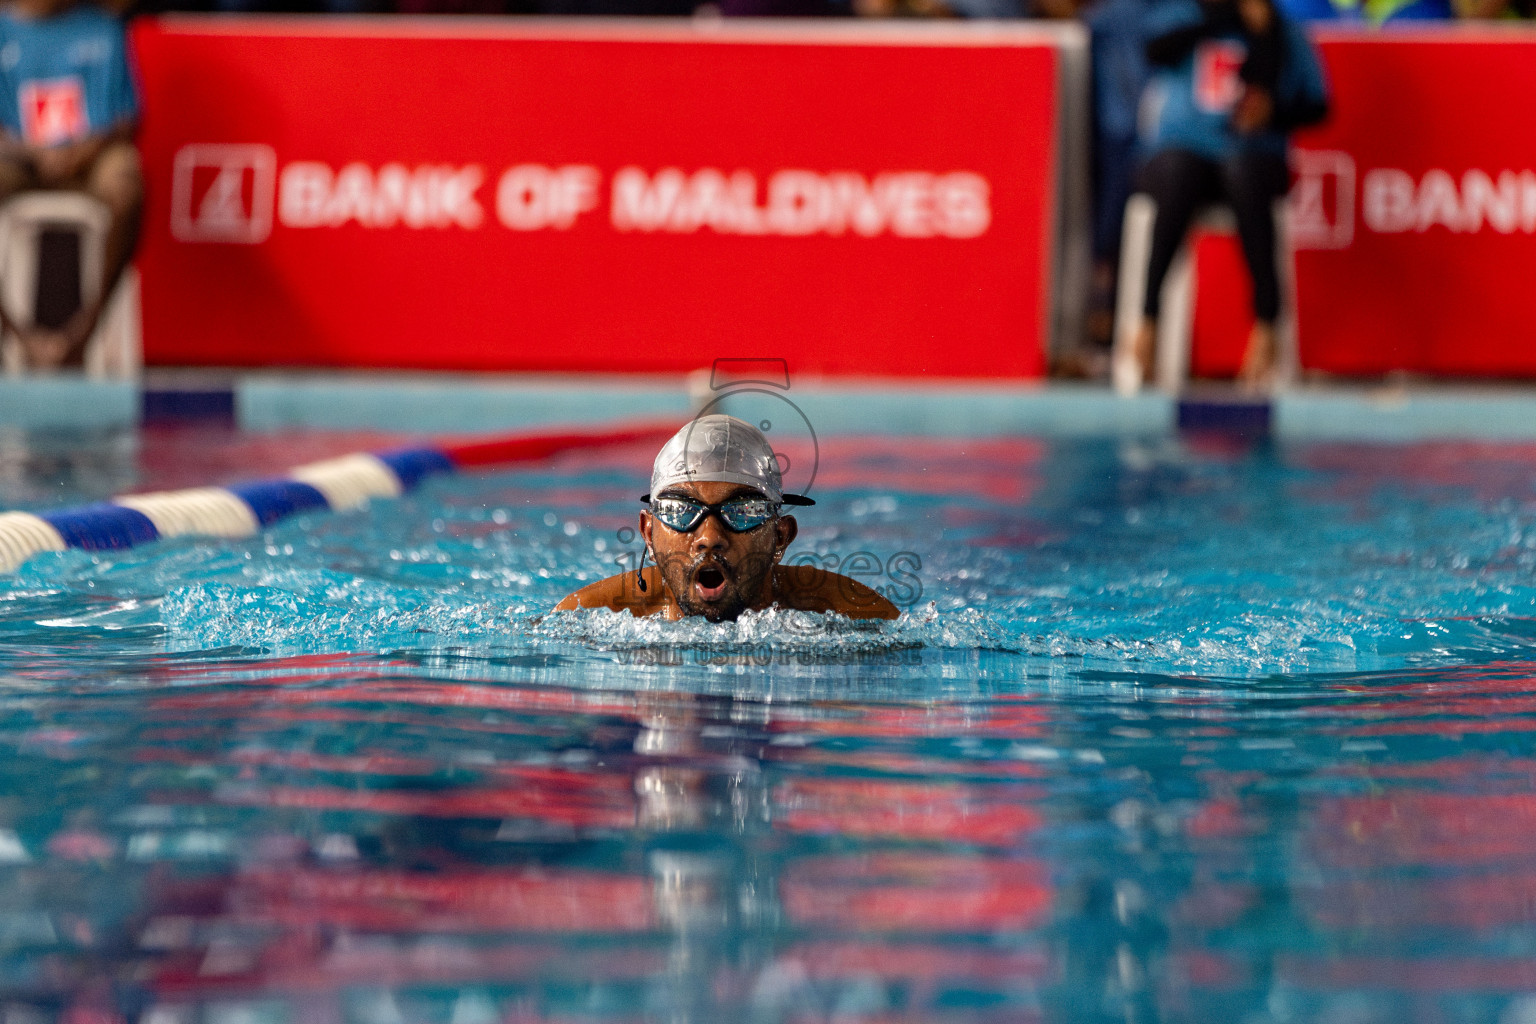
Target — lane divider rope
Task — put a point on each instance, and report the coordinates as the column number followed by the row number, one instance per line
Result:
column 244, row 509
column 348, row 482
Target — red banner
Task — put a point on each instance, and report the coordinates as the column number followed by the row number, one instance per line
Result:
column 1413, row 212
column 508, row 195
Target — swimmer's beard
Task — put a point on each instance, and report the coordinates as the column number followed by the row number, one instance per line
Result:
column 739, row 582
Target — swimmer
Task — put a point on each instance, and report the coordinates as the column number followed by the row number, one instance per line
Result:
column 717, row 537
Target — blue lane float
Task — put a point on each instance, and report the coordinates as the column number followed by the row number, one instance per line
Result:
column 239, row 510
column 245, row 509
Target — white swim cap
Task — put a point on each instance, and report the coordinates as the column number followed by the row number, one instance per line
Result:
column 721, row 449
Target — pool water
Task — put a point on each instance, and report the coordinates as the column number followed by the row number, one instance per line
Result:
column 1180, row 729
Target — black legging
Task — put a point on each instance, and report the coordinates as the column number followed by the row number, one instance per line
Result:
column 1180, row 182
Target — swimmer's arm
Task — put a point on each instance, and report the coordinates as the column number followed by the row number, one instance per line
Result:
column 617, row 593
column 812, row 589
column 865, row 603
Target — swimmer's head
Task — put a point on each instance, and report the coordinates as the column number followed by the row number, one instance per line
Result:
column 721, row 449
column 721, row 534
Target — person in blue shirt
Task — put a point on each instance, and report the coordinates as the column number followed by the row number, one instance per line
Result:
column 1378, row 13
column 1232, row 79
column 69, row 109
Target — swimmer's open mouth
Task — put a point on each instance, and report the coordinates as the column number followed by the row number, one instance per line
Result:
column 710, row 582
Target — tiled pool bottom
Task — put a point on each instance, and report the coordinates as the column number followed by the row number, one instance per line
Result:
column 1175, row 729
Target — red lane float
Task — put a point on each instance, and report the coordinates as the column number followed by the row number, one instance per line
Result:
column 531, row 447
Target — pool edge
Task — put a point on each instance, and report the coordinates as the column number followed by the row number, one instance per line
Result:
column 269, row 402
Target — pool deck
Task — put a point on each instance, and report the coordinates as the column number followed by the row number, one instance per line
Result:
column 451, row 404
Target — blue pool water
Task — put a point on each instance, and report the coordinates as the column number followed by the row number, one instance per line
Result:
column 1188, row 729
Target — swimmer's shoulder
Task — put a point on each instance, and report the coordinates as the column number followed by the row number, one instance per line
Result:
column 620, row 594
column 810, row 588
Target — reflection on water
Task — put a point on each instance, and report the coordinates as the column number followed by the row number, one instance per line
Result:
column 355, row 841
column 302, row 850
column 1188, row 734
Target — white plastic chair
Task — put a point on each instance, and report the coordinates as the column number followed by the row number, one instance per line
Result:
column 1176, row 323
column 116, row 348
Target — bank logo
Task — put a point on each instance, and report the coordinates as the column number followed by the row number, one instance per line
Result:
column 1322, row 202
column 53, row 111
column 222, row 192
column 1217, row 85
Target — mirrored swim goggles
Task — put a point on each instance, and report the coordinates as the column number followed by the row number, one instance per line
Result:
column 738, row 514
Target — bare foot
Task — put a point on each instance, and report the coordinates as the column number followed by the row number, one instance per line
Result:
column 78, row 329
column 1129, row 368
column 1258, row 370
column 1146, row 345
column 45, row 349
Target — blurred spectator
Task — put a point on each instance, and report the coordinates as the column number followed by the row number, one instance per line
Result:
column 1489, row 9
column 774, row 8
column 1372, row 12
column 896, row 9
column 69, row 110
column 952, row 8
column 1120, row 72
column 617, row 8
column 1233, row 78
column 442, row 6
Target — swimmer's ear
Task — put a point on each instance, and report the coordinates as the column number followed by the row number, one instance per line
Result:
column 645, row 528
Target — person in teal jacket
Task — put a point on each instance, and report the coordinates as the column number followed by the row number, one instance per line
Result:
column 1232, row 79
column 69, row 109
